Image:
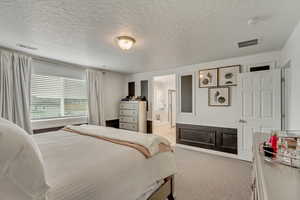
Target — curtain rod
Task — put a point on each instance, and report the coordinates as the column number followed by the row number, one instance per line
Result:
column 51, row 60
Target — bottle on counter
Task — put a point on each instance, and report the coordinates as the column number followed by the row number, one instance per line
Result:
column 274, row 142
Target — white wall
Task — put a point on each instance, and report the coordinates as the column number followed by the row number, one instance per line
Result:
column 58, row 69
column 205, row 115
column 114, row 91
column 290, row 56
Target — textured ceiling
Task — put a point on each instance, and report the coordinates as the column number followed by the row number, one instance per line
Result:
column 169, row 33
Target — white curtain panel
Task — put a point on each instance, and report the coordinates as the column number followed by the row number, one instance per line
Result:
column 15, row 88
column 95, row 97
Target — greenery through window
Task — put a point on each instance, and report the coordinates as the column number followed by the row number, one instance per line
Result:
column 57, row 97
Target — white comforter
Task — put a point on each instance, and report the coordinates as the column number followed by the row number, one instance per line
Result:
column 85, row 168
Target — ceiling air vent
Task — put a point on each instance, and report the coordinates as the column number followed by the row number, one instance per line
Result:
column 248, row 43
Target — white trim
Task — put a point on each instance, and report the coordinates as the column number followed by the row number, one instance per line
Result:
column 227, row 155
column 56, row 122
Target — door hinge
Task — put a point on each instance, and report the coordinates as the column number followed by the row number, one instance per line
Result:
column 282, row 80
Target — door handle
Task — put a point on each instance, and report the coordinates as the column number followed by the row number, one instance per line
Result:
column 242, row 121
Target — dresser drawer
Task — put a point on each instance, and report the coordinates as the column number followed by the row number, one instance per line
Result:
column 128, row 126
column 129, row 106
column 128, row 112
column 128, row 119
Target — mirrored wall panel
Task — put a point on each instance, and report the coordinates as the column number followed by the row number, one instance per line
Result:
column 144, row 88
column 186, row 96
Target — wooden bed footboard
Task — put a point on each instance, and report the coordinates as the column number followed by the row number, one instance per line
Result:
column 165, row 191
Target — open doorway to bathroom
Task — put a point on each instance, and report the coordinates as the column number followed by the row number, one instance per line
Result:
column 164, row 107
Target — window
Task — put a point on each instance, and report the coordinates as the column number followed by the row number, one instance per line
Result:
column 186, row 93
column 56, row 97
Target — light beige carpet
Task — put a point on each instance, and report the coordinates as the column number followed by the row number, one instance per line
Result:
column 204, row 176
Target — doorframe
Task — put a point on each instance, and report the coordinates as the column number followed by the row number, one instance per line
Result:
column 153, row 94
column 170, row 91
column 285, row 83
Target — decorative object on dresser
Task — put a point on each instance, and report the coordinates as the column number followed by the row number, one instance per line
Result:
column 207, row 137
column 282, row 147
column 133, row 116
column 218, row 96
column 208, row 78
column 227, row 76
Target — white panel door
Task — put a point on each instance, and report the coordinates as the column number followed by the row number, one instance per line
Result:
column 260, row 107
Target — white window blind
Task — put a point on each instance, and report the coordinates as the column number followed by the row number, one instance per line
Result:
column 57, row 97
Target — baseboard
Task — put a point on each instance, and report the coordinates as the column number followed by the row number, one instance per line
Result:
column 218, row 153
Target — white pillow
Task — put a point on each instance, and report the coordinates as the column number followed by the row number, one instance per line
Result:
column 21, row 161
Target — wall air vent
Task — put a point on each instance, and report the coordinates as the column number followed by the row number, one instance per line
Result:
column 248, row 43
column 26, row 47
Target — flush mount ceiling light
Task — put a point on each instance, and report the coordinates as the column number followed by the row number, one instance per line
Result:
column 125, row 42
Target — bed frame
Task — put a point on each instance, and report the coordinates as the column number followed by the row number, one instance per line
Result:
column 165, row 191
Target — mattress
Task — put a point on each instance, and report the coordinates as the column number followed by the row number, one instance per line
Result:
column 85, row 168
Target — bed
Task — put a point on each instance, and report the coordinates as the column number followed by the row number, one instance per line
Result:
column 89, row 168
